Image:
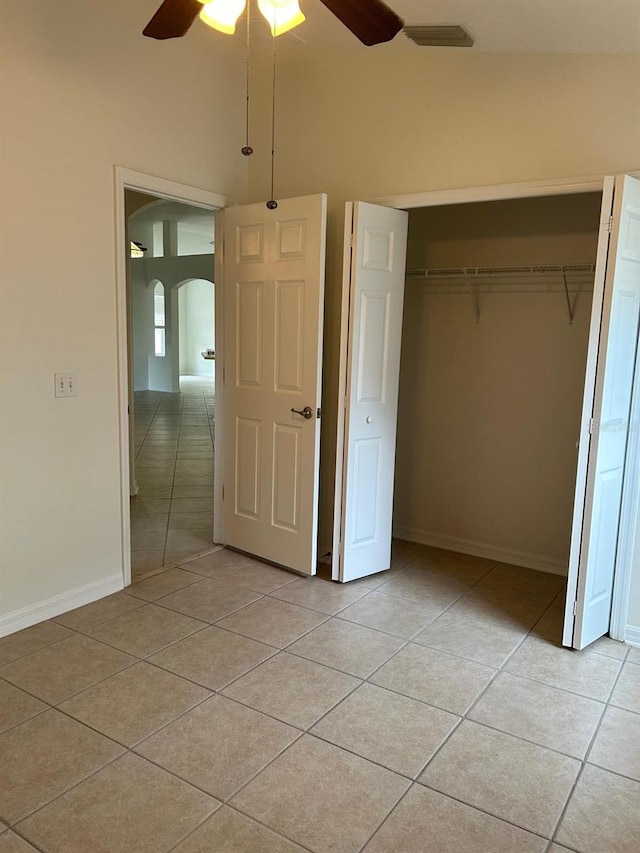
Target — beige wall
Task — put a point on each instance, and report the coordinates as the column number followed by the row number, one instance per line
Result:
column 370, row 123
column 83, row 90
column 558, row 230
column 489, row 412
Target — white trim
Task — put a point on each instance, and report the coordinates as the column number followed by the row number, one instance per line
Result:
column 62, row 603
column 340, row 472
column 218, row 457
column 128, row 179
column 171, row 190
column 496, row 192
column 539, row 562
column 632, row 636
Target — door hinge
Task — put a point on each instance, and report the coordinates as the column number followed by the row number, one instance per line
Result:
column 610, row 226
column 591, row 426
column 339, row 549
column 346, row 400
column 575, row 608
column 318, row 413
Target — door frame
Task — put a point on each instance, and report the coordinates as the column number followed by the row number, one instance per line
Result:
column 129, row 179
column 467, row 195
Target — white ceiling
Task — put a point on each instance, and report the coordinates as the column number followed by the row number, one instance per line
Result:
column 499, row 26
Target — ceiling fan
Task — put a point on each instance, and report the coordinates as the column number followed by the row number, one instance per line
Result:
column 371, row 21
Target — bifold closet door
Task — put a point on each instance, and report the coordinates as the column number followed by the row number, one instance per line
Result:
column 273, row 316
column 373, row 295
column 605, row 428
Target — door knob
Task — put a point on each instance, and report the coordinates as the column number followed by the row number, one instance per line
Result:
column 307, row 412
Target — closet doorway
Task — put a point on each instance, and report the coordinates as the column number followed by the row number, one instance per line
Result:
column 497, row 310
column 498, row 330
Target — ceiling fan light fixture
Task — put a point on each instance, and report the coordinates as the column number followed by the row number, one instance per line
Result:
column 281, row 15
column 222, row 15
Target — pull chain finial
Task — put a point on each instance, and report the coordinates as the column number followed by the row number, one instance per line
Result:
column 246, row 149
column 272, row 203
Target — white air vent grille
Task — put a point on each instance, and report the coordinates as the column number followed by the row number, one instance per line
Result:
column 439, row 35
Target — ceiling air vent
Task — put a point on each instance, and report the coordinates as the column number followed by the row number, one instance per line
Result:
column 439, row 35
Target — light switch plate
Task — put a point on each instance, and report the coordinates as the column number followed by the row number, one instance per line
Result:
column 65, row 384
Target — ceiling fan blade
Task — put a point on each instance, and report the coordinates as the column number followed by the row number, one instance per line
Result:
column 173, row 19
column 372, row 21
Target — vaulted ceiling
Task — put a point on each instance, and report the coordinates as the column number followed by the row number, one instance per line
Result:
column 501, row 26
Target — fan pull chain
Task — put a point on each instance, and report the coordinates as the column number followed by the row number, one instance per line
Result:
column 247, row 150
column 272, row 203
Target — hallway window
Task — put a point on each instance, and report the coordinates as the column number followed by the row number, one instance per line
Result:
column 158, row 319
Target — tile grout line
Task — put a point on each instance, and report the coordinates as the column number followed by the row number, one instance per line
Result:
column 485, row 811
column 66, row 790
column 482, row 693
column 177, row 411
column 592, row 741
column 173, row 481
column 465, row 717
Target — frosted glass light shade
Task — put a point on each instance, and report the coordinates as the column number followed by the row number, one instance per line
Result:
column 282, row 15
column 222, row 15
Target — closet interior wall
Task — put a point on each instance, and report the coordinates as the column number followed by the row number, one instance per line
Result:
column 489, row 411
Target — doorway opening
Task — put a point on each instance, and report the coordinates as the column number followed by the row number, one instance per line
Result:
column 173, row 333
column 497, row 312
column 494, row 347
column 168, row 400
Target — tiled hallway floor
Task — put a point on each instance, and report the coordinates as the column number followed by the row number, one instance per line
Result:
column 227, row 706
column 172, row 514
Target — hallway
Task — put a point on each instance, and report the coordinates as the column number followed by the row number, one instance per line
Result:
column 172, row 514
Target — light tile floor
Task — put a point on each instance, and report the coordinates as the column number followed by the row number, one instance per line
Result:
column 172, row 514
column 226, row 706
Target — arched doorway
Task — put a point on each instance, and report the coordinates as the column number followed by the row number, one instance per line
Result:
column 196, row 325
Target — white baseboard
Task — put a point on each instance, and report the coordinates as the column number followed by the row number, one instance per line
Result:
column 632, row 635
column 50, row 607
column 539, row 562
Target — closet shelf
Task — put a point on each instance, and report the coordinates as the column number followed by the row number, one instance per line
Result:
column 528, row 270
column 532, row 278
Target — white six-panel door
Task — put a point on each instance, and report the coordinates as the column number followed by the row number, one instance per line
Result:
column 374, row 283
column 273, row 315
column 606, row 427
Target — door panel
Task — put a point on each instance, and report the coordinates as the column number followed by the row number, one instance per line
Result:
column 595, row 541
column 289, row 336
column 248, row 444
column 287, row 443
column 274, row 272
column 366, row 465
column 249, row 344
